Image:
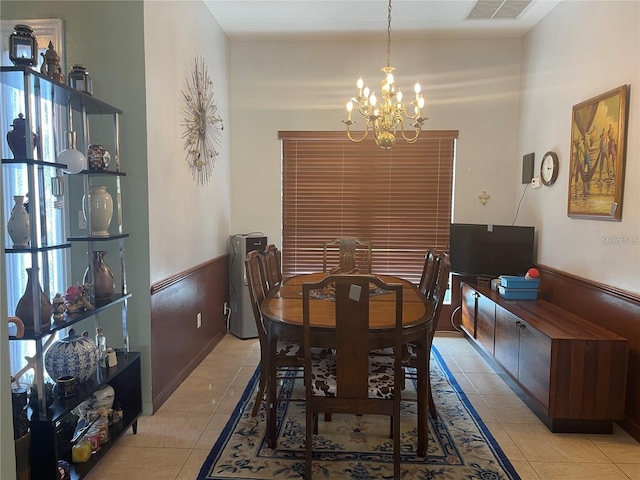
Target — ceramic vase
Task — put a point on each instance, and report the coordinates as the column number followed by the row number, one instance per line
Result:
column 25, row 310
column 100, row 209
column 103, row 282
column 17, row 138
column 98, row 157
column 18, row 224
column 75, row 356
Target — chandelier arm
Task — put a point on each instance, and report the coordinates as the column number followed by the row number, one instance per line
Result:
column 418, row 129
column 354, row 140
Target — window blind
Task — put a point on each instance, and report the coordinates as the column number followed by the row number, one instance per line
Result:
column 399, row 200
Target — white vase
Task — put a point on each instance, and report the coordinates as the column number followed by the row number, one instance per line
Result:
column 18, row 224
column 101, row 207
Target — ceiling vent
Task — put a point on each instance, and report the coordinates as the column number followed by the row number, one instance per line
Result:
column 497, row 9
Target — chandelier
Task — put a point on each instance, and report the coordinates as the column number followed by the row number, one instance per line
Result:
column 386, row 116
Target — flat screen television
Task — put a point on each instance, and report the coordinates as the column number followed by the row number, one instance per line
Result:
column 491, row 250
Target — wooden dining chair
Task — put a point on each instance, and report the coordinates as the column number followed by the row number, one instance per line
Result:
column 428, row 277
column 348, row 255
column 347, row 380
column 273, row 265
column 436, row 300
column 288, row 355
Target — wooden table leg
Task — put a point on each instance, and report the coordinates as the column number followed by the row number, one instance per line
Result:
column 271, row 390
column 423, row 398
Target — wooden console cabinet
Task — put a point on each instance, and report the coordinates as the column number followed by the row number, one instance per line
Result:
column 572, row 372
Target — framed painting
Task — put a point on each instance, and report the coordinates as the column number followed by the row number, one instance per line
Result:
column 596, row 167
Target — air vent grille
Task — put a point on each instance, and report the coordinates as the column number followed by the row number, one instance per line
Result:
column 497, row 9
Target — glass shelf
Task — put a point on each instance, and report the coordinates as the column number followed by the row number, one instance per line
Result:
column 73, row 318
column 98, row 239
column 62, row 93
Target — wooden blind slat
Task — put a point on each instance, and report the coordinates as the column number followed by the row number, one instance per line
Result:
column 399, row 200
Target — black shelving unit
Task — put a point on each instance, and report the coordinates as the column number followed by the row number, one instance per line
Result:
column 52, row 109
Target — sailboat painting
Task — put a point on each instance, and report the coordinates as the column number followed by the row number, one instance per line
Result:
column 596, row 169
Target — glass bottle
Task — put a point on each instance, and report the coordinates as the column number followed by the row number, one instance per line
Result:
column 101, row 342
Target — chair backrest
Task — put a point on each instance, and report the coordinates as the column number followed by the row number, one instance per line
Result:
column 257, row 290
column 352, row 306
column 273, row 265
column 349, row 253
column 440, row 285
column 427, row 280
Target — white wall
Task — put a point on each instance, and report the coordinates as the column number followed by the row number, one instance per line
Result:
column 469, row 85
column 188, row 223
column 580, row 50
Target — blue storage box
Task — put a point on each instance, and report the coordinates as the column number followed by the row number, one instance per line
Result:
column 512, row 281
column 518, row 293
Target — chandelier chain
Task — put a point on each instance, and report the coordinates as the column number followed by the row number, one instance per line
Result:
column 389, row 35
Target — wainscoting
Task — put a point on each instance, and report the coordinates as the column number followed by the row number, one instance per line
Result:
column 616, row 310
column 177, row 345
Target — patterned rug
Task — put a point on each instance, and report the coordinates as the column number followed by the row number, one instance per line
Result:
column 460, row 445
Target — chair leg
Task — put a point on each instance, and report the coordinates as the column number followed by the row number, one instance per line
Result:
column 259, row 395
column 432, row 406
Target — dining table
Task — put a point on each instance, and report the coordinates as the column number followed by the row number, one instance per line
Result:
column 282, row 316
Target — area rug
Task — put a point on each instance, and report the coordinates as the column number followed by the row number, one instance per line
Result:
column 358, row 447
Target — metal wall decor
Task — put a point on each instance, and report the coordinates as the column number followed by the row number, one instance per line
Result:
column 203, row 125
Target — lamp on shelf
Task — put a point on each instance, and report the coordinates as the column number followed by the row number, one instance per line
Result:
column 385, row 116
column 23, row 46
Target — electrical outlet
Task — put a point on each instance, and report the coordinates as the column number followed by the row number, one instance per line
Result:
column 82, row 223
column 199, row 320
column 535, row 182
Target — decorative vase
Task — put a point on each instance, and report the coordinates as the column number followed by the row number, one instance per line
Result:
column 17, row 138
column 18, row 224
column 100, row 206
column 98, row 157
column 24, row 309
column 74, row 356
column 103, row 283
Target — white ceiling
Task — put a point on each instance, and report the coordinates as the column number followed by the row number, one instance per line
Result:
column 322, row 19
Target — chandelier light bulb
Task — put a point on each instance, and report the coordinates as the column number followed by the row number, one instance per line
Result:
column 421, row 102
column 349, row 108
column 399, row 96
column 366, row 92
column 417, row 88
column 373, row 99
column 360, row 83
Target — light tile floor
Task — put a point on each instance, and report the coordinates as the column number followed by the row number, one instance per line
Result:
column 173, row 443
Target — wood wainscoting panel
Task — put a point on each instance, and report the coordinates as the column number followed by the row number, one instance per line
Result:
column 616, row 310
column 177, row 344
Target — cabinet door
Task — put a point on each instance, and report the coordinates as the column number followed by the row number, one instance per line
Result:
column 534, row 365
column 507, row 340
column 485, row 323
column 469, row 296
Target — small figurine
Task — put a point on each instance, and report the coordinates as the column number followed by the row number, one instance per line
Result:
column 59, row 308
column 78, row 298
column 51, row 65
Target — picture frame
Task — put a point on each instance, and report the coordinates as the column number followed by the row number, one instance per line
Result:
column 598, row 151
